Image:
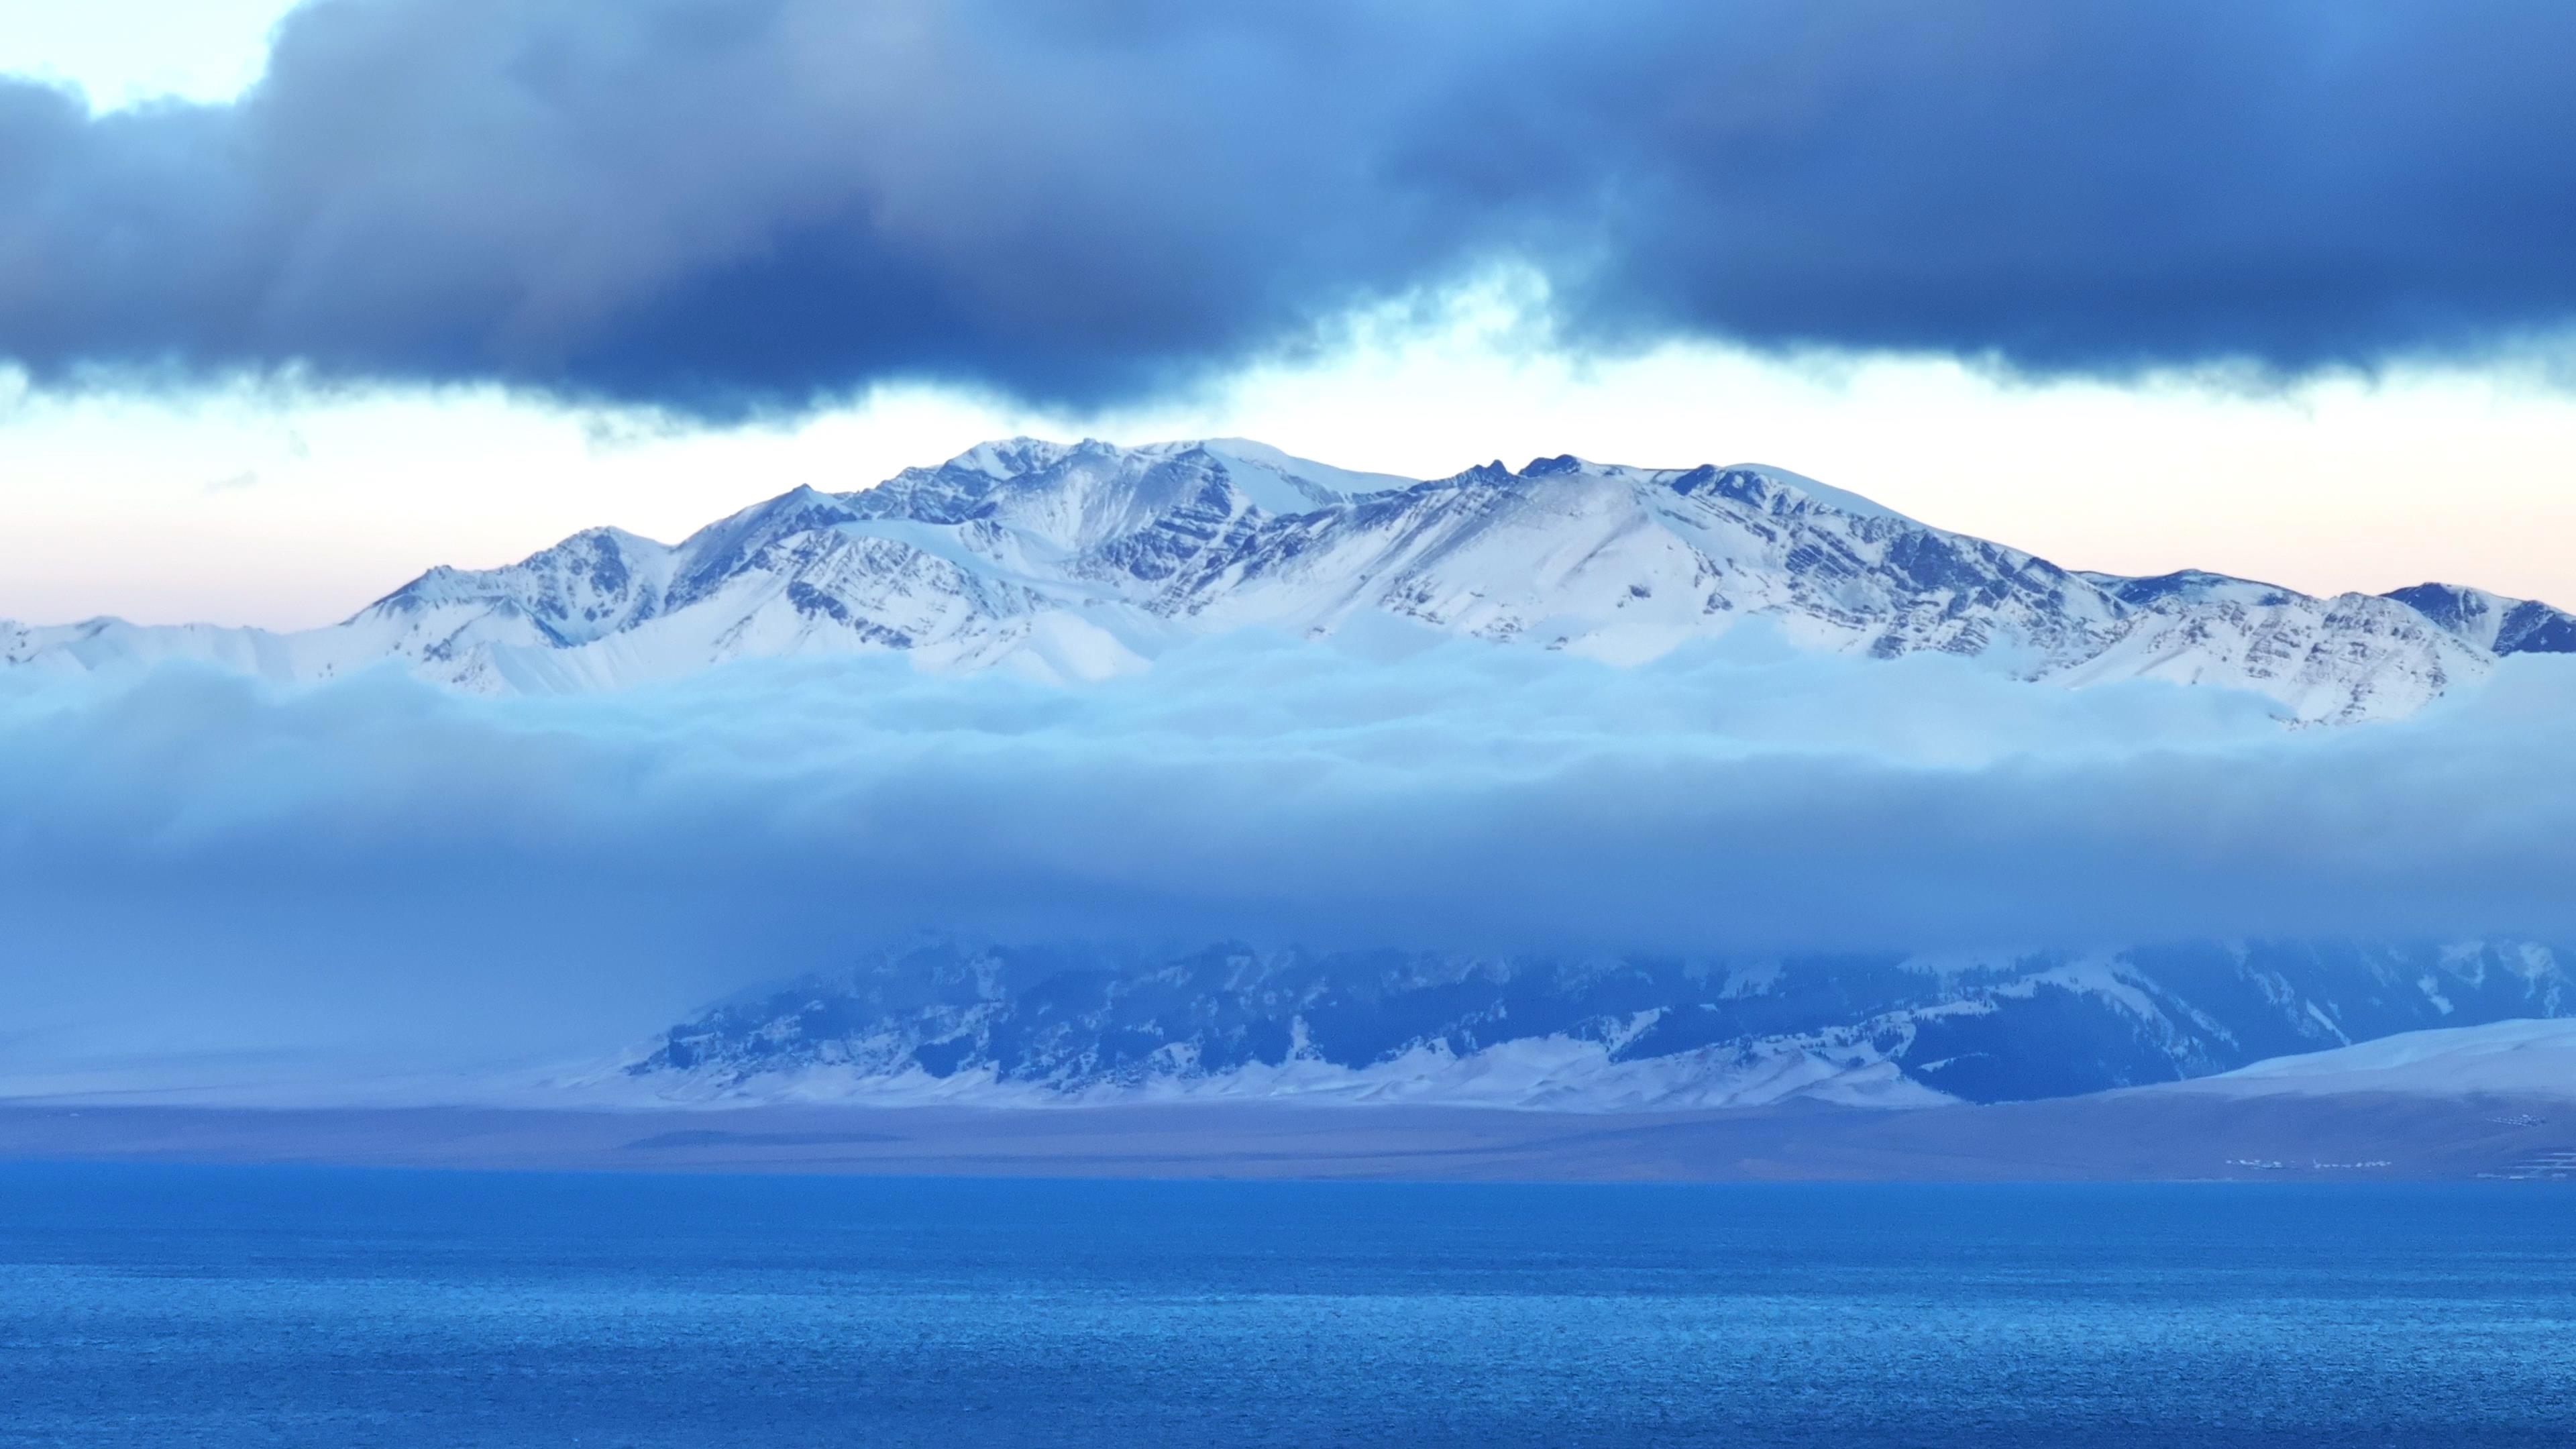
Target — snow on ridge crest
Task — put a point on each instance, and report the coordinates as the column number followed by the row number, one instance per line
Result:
column 1073, row 561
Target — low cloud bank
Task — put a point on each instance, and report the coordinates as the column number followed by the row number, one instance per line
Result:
column 192, row 861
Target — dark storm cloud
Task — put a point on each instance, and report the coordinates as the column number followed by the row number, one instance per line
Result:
column 724, row 204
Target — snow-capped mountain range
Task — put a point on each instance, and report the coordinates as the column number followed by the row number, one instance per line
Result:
column 1087, row 560
column 943, row 1021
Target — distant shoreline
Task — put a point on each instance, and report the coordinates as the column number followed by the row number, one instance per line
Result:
column 2148, row 1135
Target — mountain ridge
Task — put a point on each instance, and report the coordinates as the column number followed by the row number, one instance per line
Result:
column 944, row 1020
column 1083, row 560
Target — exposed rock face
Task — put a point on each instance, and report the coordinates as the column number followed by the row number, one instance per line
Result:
column 945, row 1021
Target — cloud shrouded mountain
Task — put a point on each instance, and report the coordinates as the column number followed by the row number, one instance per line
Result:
column 1702, row 878
column 1570, row 747
column 1090, row 560
column 724, row 205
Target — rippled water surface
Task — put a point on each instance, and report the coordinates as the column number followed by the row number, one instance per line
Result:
column 212, row 1306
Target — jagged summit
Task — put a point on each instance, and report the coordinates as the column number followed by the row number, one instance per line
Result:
column 1008, row 457
column 2199, row 585
column 1079, row 560
column 2493, row 622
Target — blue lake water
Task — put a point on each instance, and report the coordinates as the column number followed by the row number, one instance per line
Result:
column 232, row 1307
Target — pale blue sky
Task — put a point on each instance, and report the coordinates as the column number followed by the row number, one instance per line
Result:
column 124, row 51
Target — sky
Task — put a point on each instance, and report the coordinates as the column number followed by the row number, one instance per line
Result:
column 2276, row 290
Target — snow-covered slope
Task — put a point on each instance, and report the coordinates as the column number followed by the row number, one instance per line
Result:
column 2522, row 1058
column 1086, row 560
column 942, row 1021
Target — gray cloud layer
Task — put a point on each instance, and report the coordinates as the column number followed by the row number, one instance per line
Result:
column 729, row 204
column 189, row 857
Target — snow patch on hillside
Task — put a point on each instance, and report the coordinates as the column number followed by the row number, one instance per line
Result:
column 2504, row 1058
